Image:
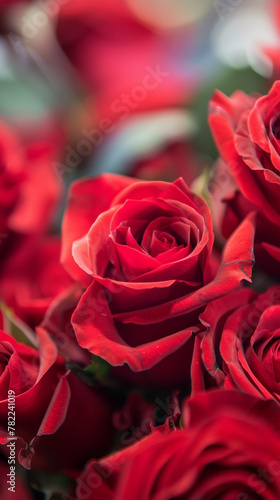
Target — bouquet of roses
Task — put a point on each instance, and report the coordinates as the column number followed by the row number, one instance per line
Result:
column 140, row 335
column 145, row 364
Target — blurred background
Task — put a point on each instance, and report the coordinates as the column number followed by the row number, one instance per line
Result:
column 124, row 86
column 92, row 86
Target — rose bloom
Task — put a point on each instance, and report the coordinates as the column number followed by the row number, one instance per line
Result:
column 246, row 130
column 26, row 203
column 143, row 252
column 228, row 448
column 7, row 4
column 240, row 349
column 32, row 277
column 272, row 50
column 50, row 404
column 115, row 54
column 173, row 160
column 133, row 415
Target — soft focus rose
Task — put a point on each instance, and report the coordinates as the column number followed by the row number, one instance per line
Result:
column 103, row 39
column 241, row 347
column 271, row 51
column 246, row 131
column 172, row 161
column 6, row 4
column 144, row 255
column 215, row 455
column 49, row 400
column 29, row 187
column 13, row 177
column 32, row 277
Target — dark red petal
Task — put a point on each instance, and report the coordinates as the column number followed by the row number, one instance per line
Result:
column 237, row 263
column 96, row 331
column 87, row 198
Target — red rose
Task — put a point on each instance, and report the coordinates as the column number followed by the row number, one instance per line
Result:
column 246, row 131
column 144, row 255
column 7, row 4
column 173, row 160
column 215, row 455
column 113, row 33
column 50, row 405
column 57, row 324
column 32, row 277
column 13, row 177
column 26, row 202
column 241, row 347
column 272, row 51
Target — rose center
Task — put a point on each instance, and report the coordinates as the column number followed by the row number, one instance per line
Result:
column 270, row 355
column 161, row 242
column 276, row 128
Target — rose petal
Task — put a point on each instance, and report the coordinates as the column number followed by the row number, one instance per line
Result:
column 237, row 263
column 87, row 198
column 98, row 333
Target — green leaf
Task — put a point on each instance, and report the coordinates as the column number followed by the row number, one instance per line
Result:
column 17, row 328
column 227, row 80
column 199, row 184
column 52, row 484
column 98, row 367
column 95, row 374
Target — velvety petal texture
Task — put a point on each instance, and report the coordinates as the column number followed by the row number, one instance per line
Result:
column 48, row 402
column 240, row 349
column 246, row 130
column 26, row 203
column 214, row 455
column 144, row 256
column 32, row 277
